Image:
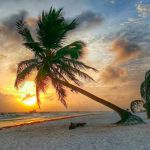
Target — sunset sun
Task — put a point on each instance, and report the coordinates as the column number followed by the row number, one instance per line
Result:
column 30, row 101
column 27, row 94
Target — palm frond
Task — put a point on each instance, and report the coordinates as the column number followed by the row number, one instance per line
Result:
column 52, row 28
column 22, row 75
column 35, row 47
column 59, row 74
column 60, row 91
column 147, row 74
column 24, row 31
column 41, row 81
column 71, row 76
column 145, row 87
column 143, row 90
column 38, row 94
column 24, row 64
column 74, row 71
column 78, row 64
column 42, row 78
column 73, row 50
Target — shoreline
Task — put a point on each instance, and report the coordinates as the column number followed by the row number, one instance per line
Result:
column 45, row 120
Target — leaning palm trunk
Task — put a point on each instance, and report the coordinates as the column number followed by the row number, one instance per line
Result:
column 125, row 115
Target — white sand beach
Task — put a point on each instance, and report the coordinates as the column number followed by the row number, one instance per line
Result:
column 99, row 134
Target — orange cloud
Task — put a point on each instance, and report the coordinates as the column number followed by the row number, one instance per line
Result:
column 113, row 74
column 125, row 50
column 2, row 57
column 31, row 22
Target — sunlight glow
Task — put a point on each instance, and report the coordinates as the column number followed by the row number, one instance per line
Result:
column 28, row 87
column 27, row 94
column 30, row 101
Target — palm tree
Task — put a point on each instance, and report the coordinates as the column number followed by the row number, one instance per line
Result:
column 55, row 62
column 145, row 92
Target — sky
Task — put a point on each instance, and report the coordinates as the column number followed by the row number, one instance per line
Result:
column 117, row 34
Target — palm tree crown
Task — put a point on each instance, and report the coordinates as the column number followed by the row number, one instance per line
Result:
column 145, row 87
column 52, row 59
column 145, row 92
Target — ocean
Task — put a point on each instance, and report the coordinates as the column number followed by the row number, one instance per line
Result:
column 18, row 119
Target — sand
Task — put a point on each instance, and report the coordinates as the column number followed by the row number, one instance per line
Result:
column 99, row 134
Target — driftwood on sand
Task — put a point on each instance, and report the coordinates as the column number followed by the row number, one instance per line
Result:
column 75, row 125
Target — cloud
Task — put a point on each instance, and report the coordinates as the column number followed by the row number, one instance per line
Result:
column 8, row 28
column 8, row 25
column 2, row 57
column 31, row 22
column 125, row 50
column 112, row 1
column 11, row 49
column 27, row 96
column 132, row 20
column 7, row 101
column 132, row 32
column 129, row 42
column 143, row 10
column 13, row 68
column 89, row 19
column 87, row 22
column 10, row 22
column 113, row 74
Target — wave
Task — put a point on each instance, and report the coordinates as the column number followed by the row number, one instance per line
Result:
column 20, row 119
